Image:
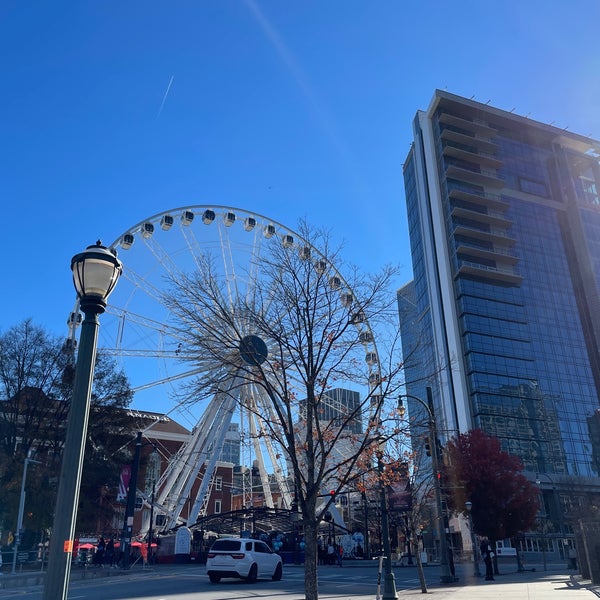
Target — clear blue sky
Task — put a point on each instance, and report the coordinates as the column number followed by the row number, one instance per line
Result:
column 114, row 111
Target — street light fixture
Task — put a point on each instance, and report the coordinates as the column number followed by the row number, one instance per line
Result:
column 95, row 274
column 389, row 580
column 445, row 574
column 469, row 507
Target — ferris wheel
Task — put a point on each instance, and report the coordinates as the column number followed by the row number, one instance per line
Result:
column 138, row 330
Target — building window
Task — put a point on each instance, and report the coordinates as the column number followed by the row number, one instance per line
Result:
column 536, row 188
column 217, row 507
column 218, row 484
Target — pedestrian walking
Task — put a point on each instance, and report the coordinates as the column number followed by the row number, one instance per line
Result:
column 330, row 553
column 488, row 556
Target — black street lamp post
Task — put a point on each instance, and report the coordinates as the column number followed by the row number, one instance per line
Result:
column 389, row 580
column 469, row 507
column 556, row 509
column 150, row 531
column 367, row 548
column 407, row 532
column 555, row 512
column 154, row 467
column 445, row 574
column 95, row 274
column 127, row 533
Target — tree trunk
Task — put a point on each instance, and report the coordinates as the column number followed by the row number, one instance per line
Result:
column 311, row 579
column 495, row 559
column 417, row 552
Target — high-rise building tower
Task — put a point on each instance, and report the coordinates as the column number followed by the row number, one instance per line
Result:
column 232, row 445
column 502, row 318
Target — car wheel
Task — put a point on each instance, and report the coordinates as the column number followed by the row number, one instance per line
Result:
column 278, row 572
column 252, row 574
column 214, row 578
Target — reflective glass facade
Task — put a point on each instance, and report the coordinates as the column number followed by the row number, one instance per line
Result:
column 504, row 309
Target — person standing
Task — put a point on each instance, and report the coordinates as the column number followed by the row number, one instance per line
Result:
column 99, row 554
column 330, row 552
column 109, row 553
column 487, row 555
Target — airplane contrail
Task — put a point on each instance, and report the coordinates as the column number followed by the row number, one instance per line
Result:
column 325, row 121
column 165, row 96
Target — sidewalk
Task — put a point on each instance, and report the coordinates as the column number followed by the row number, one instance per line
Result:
column 528, row 585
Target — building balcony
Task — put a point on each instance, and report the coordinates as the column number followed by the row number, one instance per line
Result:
column 491, row 274
column 500, row 255
column 485, row 160
column 473, row 126
column 483, row 178
column 473, row 141
column 482, row 198
column 495, row 219
column 496, row 237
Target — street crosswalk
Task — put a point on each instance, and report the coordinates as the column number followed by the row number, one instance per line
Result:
column 342, row 579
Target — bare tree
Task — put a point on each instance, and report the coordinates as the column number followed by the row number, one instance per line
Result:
column 283, row 348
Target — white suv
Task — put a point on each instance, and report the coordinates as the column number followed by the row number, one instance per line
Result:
column 244, row 558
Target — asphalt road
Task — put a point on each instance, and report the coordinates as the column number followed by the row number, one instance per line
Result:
column 187, row 582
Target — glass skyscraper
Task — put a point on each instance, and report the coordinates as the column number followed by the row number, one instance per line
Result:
column 502, row 318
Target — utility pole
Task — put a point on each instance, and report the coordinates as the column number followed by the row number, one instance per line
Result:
column 127, row 533
column 21, row 510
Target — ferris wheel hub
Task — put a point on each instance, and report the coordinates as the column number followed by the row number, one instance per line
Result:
column 253, row 350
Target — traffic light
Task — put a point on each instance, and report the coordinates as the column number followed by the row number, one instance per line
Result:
column 427, row 447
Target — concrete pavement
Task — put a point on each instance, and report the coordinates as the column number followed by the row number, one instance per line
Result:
column 553, row 584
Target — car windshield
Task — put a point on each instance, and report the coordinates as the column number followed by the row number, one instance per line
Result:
column 226, row 546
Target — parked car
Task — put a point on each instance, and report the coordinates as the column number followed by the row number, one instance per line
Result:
column 243, row 558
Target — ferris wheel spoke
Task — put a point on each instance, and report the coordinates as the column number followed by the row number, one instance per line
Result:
column 200, row 450
column 164, row 380
column 143, row 285
column 265, row 411
column 162, row 255
column 228, row 268
column 256, row 442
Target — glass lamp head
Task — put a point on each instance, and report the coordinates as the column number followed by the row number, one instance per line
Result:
column 96, row 271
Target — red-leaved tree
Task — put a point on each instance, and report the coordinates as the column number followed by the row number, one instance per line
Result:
column 504, row 502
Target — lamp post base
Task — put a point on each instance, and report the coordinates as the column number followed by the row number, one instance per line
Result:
column 389, row 587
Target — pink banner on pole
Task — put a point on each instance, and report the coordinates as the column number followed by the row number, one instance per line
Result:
column 124, row 483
